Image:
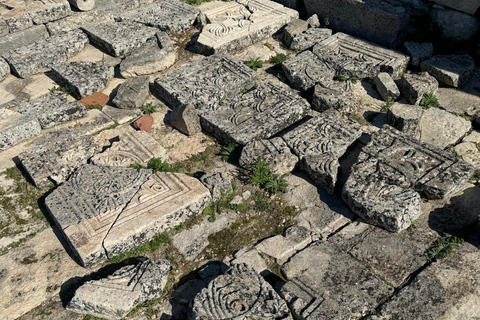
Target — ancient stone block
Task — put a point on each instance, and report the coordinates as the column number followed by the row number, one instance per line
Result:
column 4, row 30
column 313, row 21
column 98, row 99
column 52, row 109
column 132, row 93
column 83, row 5
column 454, row 25
column 83, row 78
column 309, row 38
column 121, row 116
column 215, row 182
column 132, row 147
column 114, row 296
column 205, row 82
column 21, row 39
column 4, row 69
column 467, row 6
column 98, row 122
column 78, row 20
column 255, row 115
column 405, row 117
column 414, row 86
column 292, row 29
column 186, row 120
column 336, row 95
column 386, row 87
column 240, row 292
column 21, row 15
column 418, row 52
column 325, row 218
column 452, row 70
column 118, row 38
column 320, row 142
column 16, row 127
column 56, row 155
column 350, row 56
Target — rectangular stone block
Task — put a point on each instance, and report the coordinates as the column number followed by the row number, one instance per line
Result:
column 21, row 39
column 4, row 30
column 78, row 20
column 14, row 128
column 467, row 6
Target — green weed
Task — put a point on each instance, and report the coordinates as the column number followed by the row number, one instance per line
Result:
column 254, row 64
column 64, row 90
column 260, row 173
column 150, row 108
column 387, row 106
column 444, row 246
column 279, row 58
column 276, row 184
column 429, row 100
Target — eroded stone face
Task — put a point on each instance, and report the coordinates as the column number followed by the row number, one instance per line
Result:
column 16, row 128
column 309, row 38
column 453, row 70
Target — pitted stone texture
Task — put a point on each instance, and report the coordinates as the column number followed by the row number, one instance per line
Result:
column 324, row 219
column 118, row 38
column 239, row 293
column 52, row 109
column 56, row 155
column 467, row 6
column 452, row 70
column 114, row 296
column 386, row 87
column 276, row 153
column 22, row 38
column 186, row 120
column 351, row 56
column 337, row 95
column 205, row 82
column 83, row 78
column 78, row 20
column 132, row 147
column 98, row 122
column 216, row 182
column 453, row 25
column 306, row 70
column 414, row 86
column 43, row 55
column 381, row 186
column 16, row 127
column 83, row 5
column 121, row 116
column 167, row 15
column 4, row 30
column 320, row 142
column 405, row 117
column 4, row 69
column 418, row 52
column 309, row 38
column 255, row 115
column 326, row 283
column 237, row 25
column 292, row 29
column 313, row 21
column 132, row 93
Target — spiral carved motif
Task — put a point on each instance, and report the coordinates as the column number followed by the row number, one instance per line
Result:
column 220, row 30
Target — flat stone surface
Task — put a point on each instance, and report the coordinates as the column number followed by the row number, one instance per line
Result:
column 16, row 128
column 414, row 86
column 22, row 38
column 121, row 116
column 453, row 25
column 309, row 38
column 338, row 95
column 52, row 109
column 114, row 296
column 452, row 70
column 43, row 55
column 83, row 78
column 4, row 29
column 144, row 123
column 326, row 283
column 405, row 117
column 98, row 99
column 78, row 20
column 132, row 93
column 240, row 292
column 215, row 182
column 386, row 87
column 418, row 52
column 56, row 155
column 98, row 121
column 21, row 15
column 324, row 218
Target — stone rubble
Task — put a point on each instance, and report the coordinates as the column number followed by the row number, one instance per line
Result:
column 186, row 120
column 452, row 70
column 414, row 86
column 4, row 69
column 132, row 93
column 306, row 40
column 22, row 38
column 386, row 87
column 293, row 29
column 418, row 52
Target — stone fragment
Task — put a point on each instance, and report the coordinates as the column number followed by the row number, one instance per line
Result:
column 121, row 116
column 258, row 114
column 83, row 5
column 16, row 128
column 185, row 119
column 386, row 87
column 414, row 86
column 132, row 93
column 320, row 142
column 292, row 29
column 252, row 259
column 215, row 182
column 21, row 39
column 454, row 25
column 83, row 78
column 167, row 15
column 98, row 122
column 4, row 69
column 467, row 6
column 309, row 38
column 26, row 60
column 4, row 30
column 337, row 95
column 114, row 296
column 98, row 99
column 52, row 109
column 78, row 20
column 453, row 70
column 132, row 147
column 205, row 82
column 56, row 155
column 470, row 153
column 418, row 52
column 324, row 219
column 240, row 292
column 276, row 153
column 21, row 15
column 405, row 117
column 350, row 56
column 313, row 21
column 144, row 123
column 326, row 283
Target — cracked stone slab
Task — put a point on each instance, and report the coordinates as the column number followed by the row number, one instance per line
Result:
column 22, row 38
column 83, row 78
column 351, row 56
column 79, row 19
column 56, row 155
column 239, row 293
column 414, row 86
column 306, row 40
column 132, row 93
column 453, row 70
column 97, row 123
column 324, row 218
column 114, row 296
column 338, row 95
column 52, row 109
column 43, row 55
column 320, row 142
column 121, row 116
column 386, row 87
column 16, row 127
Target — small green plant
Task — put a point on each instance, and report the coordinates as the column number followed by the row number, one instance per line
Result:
column 413, row 225
column 326, row 22
column 228, row 153
column 279, row 58
column 254, row 64
column 444, row 246
column 387, row 105
column 276, row 184
column 268, row 45
column 64, row 90
column 260, row 173
column 137, row 166
column 149, row 108
column 429, row 100
column 157, row 165
column 353, row 79
column 223, row 203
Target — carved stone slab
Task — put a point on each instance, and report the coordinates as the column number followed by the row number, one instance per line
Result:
column 240, row 293
column 132, row 147
column 309, row 38
column 338, row 95
column 320, row 142
column 15, row 128
column 205, row 82
column 381, row 188
column 351, row 56
column 258, row 114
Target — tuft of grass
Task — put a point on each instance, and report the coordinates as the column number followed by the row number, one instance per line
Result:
column 443, row 247
column 326, row 22
column 230, row 153
column 254, row 64
column 268, row 45
column 276, row 184
column 279, row 58
column 413, row 225
column 353, row 79
column 149, row 108
column 157, row 165
column 150, row 246
column 64, row 90
column 387, row 106
column 429, row 100
column 137, row 166
column 222, row 204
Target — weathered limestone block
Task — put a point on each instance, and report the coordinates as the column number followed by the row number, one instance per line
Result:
column 255, row 115
column 16, row 128
column 386, row 87
column 121, row 116
column 337, row 95
column 326, row 283
column 22, row 38
column 452, row 70
column 309, row 38
column 167, row 15
column 21, row 15
column 320, row 142
column 313, row 21
column 52, row 109
column 83, row 5
column 215, row 182
column 324, row 219
column 78, row 20
column 186, row 120
column 98, row 122
column 56, row 155
column 467, row 6
column 83, row 78
column 205, row 82
column 43, row 55
column 132, row 147
column 240, row 292
column 4, row 30
column 4, row 69
column 470, row 153
column 418, row 52
column 414, row 86
column 132, row 93
column 351, row 56
column 118, row 38
column 276, row 153
column 454, row 25
column 405, row 117
column 114, row 296
column 292, row 29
